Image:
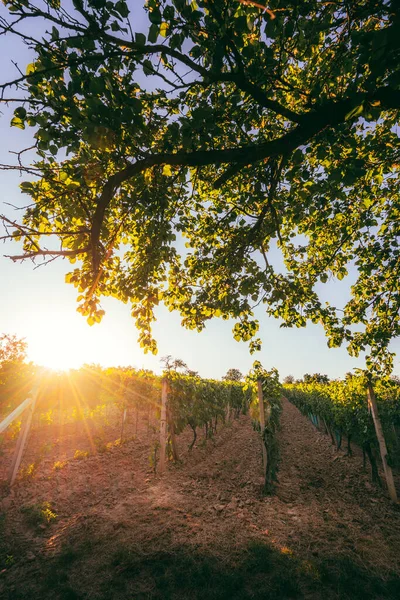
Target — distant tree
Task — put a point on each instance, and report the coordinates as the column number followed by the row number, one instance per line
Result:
column 15, row 373
column 173, row 364
column 192, row 373
column 233, row 375
column 12, row 349
column 288, row 379
column 316, row 378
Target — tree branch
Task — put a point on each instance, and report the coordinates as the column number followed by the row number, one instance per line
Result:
column 49, row 253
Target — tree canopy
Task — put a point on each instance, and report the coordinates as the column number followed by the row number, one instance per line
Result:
column 233, row 375
column 173, row 160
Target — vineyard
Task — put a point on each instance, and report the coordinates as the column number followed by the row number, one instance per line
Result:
column 100, row 523
column 108, row 407
column 341, row 410
column 166, row 486
column 251, row 488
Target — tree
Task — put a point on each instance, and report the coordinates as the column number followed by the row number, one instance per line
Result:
column 15, row 373
column 316, row 378
column 12, row 349
column 173, row 364
column 233, row 375
column 237, row 128
column 288, row 379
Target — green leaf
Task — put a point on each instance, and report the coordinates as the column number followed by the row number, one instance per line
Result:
column 122, row 8
column 297, row 157
column 356, row 112
column 155, row 16
column 140, row 39
column 55, row 34
column 153, row 33
column 20, row 112
column 148, row 68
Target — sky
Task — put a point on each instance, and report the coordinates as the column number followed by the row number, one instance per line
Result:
column 37, row 304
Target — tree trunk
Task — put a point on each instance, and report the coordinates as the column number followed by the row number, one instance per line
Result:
column 374, row 468
column 123, row 424
column 349, row 450
column 171, row 428
column 194, row 436
column 331, row 434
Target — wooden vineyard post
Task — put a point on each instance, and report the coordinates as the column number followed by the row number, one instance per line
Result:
column 23, row 435
column 148, row 417
column 262, row 424
column 382, row 442
column 123, row 423
column 163, row 425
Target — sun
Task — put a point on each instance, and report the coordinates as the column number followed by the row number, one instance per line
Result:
column 60, row 339
column 58, row 362
column 60, row 346
column 60, row 358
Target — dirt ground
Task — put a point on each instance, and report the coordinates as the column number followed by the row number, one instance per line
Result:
column 204, row 529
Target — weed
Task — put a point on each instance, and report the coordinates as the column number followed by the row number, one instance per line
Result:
column 118, row 442
column 29, row 471
column 81, row 455
column 39, row 514
column 47, row 418
column 58, row 465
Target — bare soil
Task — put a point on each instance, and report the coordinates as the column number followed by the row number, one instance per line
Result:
column 204, row 529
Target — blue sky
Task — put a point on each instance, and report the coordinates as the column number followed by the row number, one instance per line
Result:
column 36, row 304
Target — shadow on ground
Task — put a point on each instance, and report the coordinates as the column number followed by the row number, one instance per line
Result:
column 255, row 572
